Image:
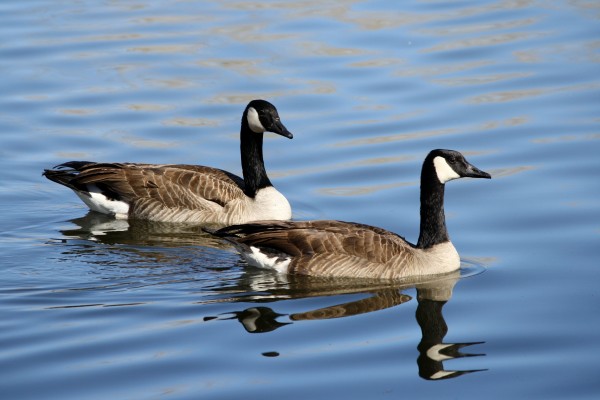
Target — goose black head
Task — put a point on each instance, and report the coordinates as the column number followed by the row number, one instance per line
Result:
column 262, row 116
column 450, row 164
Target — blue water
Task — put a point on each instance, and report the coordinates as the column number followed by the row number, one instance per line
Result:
column 94, row 308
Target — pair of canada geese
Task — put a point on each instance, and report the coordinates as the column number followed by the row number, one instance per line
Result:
column 257, row 216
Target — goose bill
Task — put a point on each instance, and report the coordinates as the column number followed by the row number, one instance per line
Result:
column 474, row 172
column 280, row 129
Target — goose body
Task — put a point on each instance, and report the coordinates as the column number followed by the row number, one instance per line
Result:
column 186, row 193
column 345, row 249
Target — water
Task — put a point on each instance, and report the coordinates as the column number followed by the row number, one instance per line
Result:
column 93, row 308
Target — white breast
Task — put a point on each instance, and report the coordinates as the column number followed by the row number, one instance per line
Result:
column 267, row 204
column 438, row 259
column 270, row 204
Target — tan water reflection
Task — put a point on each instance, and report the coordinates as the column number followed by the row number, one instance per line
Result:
column 148, row 107
column 506, row 96
column 362, row 190
column 480, row 79
column 483, row 41
column 396, row 138
column 242, row 66
column 342, row 166
column 187, row 121
column 167, row 49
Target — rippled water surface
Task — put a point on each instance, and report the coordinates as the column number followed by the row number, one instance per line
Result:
column 92, row 308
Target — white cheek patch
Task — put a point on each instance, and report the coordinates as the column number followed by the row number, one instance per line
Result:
column 434, row 352
column 444, row 171
column 254, row 121
column 249, row 321
column 441, row 374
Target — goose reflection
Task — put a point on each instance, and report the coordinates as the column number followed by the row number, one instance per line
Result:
column 107, row 230
column 431, row 298
column 130, row 253
column 256, row 319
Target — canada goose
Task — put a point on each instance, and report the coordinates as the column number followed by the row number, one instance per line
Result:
column 186, row 193
column 346, row 249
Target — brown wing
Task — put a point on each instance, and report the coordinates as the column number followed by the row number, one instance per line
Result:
column 321, row 239
column 182, row 186
column 378, row 301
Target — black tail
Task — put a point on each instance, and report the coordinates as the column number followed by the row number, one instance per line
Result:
column 65, row 173
column 237, row 231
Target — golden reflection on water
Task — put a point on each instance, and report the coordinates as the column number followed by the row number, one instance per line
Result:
column 148, row 107
column 113, row 37
column 311, row 87
column 377, row 63
column 479, row 27
column 504, row 172
column 172, row 83
column 441, row 69
column 502, row 97
column 380, row 107
column 396, row 138
column 581, row 51
column 480, row 261
column 480, row 79
column 527, row 56
column 323, row 49
column 141, row 142
column 241, row 66
column 369, row 20
column 340, row 166
column 72, row 155
column 364, row 19
column 127, row 68
column 484, row 41
column 362, row 190
column 172, row 19
column 248, row 33
column 506, row 96
column 567, row 138
column 77, row 111
column 514, row 121
column 167, row 49
column 186, row 121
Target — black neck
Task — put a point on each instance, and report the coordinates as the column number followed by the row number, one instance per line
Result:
column 253, row 166
column 433, row 221
column 431, row 321
column 433, row 329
